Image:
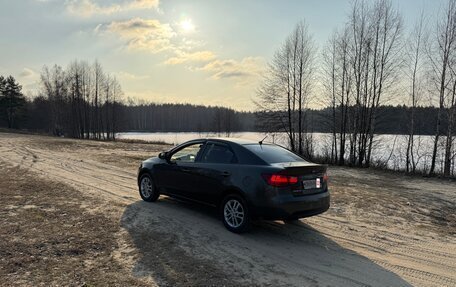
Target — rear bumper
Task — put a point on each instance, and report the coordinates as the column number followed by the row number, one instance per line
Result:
column 293, row 207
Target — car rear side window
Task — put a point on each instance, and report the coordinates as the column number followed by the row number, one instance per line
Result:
column 216, row 153
column 273, row 153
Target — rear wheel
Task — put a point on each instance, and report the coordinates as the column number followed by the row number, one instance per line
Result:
column 147, row 188
column 235, row 214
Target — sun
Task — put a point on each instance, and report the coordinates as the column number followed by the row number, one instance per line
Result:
column 187, row 25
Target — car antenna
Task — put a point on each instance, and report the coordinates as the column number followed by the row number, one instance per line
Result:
column 261, row 141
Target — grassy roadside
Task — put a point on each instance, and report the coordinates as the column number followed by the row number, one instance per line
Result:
column 49, row 236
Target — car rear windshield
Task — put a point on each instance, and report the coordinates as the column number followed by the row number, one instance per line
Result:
column 273, row 153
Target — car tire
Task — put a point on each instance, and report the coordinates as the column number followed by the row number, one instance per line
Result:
column 147, row 188
column 235, row 214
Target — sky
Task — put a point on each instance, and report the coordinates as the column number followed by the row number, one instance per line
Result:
column 208, row 52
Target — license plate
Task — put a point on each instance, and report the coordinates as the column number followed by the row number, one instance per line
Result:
column 311, row 184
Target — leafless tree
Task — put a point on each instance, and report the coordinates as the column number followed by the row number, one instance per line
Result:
column 361, row 64
column 99, row 78
column 55, row 86
column 286, row 90
column 414, row 67
column 450, row 104
column 83, row 100
column 337, row 79
column 330, row 82
column 441, row 54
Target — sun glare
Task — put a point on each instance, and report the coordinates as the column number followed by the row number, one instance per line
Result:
column 187, row 25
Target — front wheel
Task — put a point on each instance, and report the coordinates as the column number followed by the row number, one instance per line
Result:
column 147, row 189
column 235, row 214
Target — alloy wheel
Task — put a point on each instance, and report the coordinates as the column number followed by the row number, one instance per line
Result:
column 234, row 213
column 146, row 187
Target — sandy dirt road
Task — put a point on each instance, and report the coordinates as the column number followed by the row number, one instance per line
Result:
column 382, row 229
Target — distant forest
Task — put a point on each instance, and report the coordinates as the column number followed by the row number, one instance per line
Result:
column 36, row 115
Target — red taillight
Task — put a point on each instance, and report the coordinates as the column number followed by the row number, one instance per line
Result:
column 280, row 180
column 325, row 177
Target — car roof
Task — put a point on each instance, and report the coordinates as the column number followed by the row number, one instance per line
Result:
column 237, row 141
column 232, row 140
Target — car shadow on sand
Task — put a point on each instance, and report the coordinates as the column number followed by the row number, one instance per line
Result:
column 185, row 244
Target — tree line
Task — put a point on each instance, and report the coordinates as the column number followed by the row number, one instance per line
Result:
column 366, row 63
column 394, row 120
column 81, row 101
column 140, row 115
column 35, row 114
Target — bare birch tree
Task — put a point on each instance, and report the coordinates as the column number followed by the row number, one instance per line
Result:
column 414, row 67
column 330, row 82
column 83, row 100
column 285, row 92
column 441, row 55
column 361, row 63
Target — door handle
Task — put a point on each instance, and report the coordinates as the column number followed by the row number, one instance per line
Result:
column 226, row 173
column 186, row 170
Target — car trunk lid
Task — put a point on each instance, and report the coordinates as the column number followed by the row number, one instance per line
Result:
column 312, row 177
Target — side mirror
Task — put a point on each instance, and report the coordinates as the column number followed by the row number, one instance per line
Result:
column 163, row 155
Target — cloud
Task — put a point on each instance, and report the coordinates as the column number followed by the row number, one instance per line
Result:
column 184, row 57
column 142, row 34
column 155, row 37
column 244, row 72
column 27, row 73
column 87, row 8
column 29, row 80
column 246, row 68
column 129, row 76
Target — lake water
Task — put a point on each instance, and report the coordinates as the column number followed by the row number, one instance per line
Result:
column 387, row 148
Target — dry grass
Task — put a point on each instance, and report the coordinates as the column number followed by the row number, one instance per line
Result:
column 155, row 142
column 47, row 238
